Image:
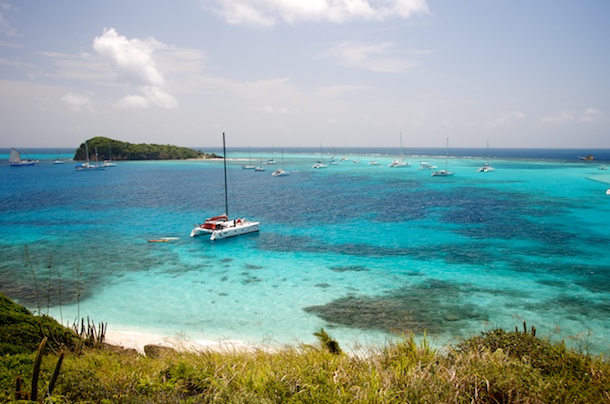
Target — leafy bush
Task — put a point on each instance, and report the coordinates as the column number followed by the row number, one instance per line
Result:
column 495, row 367
column 21, row 331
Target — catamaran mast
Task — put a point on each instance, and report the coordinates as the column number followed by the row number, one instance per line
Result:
column 224, row 157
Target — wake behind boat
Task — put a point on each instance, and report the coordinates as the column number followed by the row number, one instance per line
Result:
column 220, row 227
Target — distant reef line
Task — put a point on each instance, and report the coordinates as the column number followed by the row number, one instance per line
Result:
column 110, row 149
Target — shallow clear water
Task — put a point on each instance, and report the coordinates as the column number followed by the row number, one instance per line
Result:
column 363, row 251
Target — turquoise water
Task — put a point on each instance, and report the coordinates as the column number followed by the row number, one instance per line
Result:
column 365, row 252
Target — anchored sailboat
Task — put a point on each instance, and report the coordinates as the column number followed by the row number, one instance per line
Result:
column 87, row 166
column 399, row 163
column 485, row 168
column 15, row 159
column 220, row 227
column 445, row 172
column 280, row 171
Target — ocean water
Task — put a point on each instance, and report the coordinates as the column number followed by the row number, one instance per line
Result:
column 366, row 252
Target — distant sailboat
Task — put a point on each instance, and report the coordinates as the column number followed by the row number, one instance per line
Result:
column 58, row 160
column 260, row 167
column 272, row 159
column 399, row 163
column 16, row 161
column 485, row 168
column 249, row 166
column 220, row 227
column 320, row 163
column 445, row 172
column 280, row 172
column 87, row 166
column 109, row 162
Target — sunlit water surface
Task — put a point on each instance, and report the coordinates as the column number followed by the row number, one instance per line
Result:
column 366, row 252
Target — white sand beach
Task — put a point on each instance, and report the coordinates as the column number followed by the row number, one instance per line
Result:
column 138, row 340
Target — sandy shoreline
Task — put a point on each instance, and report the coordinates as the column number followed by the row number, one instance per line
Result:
column 138, row 340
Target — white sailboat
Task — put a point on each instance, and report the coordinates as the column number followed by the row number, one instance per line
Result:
column 399, row 163
column 260, row 167
column 249, row 166
column 16, row 161
column 485, row 168
column 109, row 162
column 445, row 172
column 219, row 227
column 280, row 172
column 58, row 160
column 271, row 161
column 87, row 166
column 320, row 163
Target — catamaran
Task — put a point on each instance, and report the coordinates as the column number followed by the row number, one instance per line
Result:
column 219, row 227
column 15, row 160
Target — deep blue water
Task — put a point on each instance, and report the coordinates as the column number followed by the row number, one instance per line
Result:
column 363, row 251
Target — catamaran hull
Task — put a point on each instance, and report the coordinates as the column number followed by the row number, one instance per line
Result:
column 198, row 231
column 235, row 231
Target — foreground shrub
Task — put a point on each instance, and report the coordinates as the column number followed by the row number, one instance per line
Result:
column 494, row 367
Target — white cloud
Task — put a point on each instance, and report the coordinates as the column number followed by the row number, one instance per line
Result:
column 133, row 101
column 372, row 57
column 131, row 57
column 589, row 115
column 265, row 13
column 6, row 25
column 133, row 61
column 159, row 97
column 77, row 102
column 505, row 118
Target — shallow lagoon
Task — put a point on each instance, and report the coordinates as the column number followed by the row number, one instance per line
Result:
column 363, row 251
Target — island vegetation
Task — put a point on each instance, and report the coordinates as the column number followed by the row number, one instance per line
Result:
column 41, row 360
column 108, row 149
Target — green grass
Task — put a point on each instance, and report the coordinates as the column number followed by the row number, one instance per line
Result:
column 495, row 367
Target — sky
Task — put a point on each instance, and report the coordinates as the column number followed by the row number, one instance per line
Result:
column 306, row 73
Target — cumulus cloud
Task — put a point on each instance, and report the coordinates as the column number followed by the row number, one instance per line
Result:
column 588, row 115
column 374, row 57
column 266, row 13
column 77, row 102
column 133, row 62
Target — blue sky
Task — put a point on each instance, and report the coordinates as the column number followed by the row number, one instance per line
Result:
column 283, row 73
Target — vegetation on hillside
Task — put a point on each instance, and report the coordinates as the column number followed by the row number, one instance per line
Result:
column 495, row 367
column 117, row 150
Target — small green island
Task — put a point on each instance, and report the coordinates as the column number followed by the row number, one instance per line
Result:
column 110, row 149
